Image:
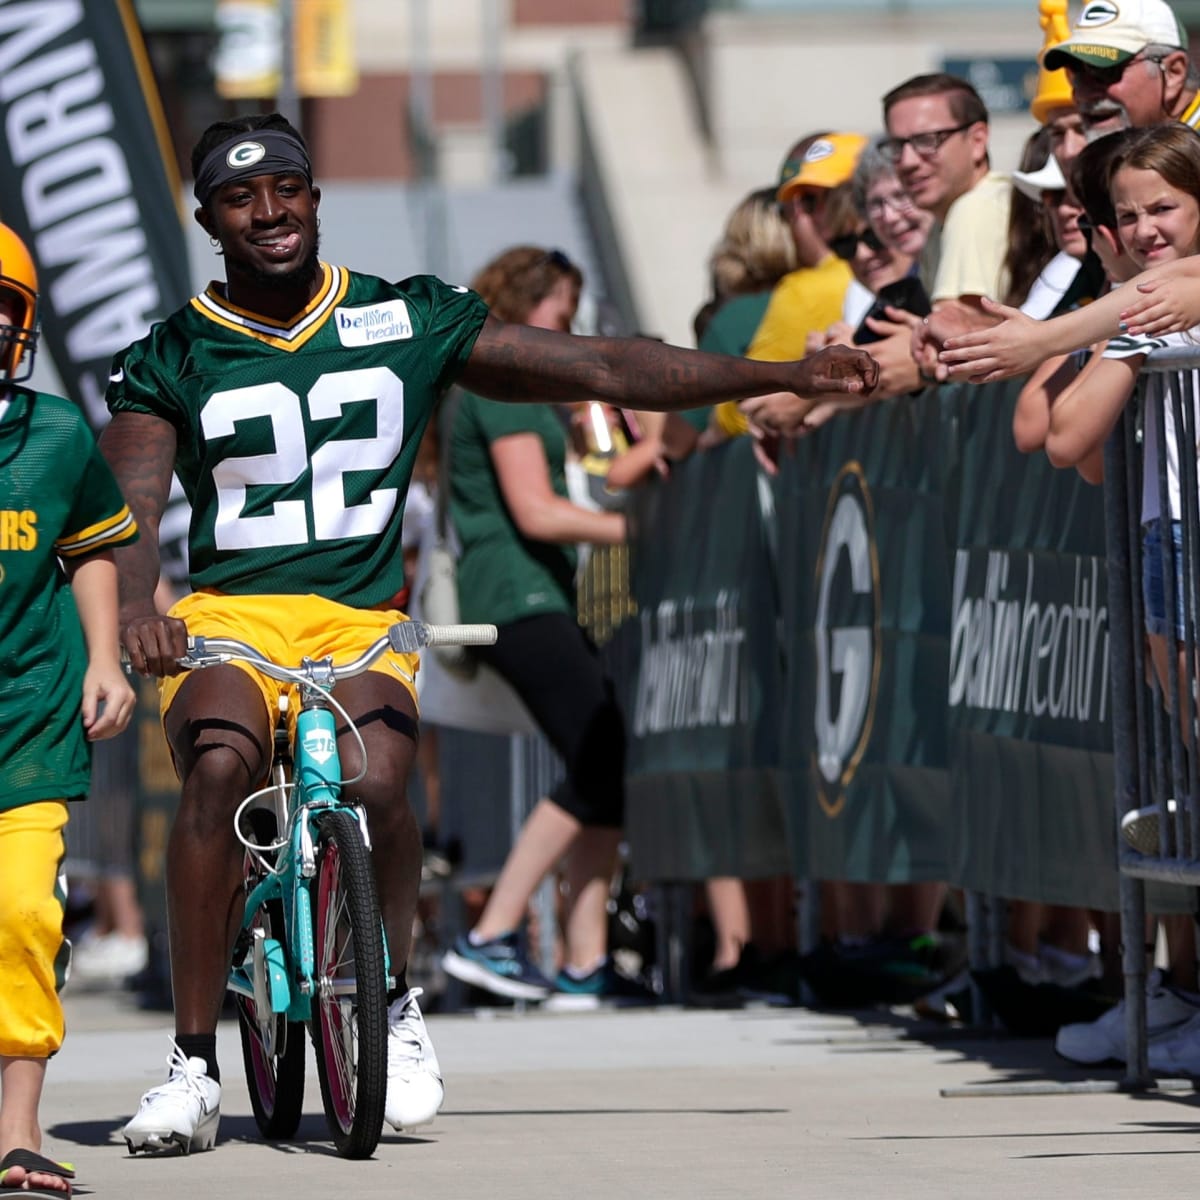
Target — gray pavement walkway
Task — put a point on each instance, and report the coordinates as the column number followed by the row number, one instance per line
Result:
column 665, row 1103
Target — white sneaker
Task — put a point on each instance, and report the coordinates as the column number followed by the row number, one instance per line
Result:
column 1139, row 828
column 1066, row 969
column 181, row 1114
column 414, row 1089
column 1103, row 1040
column 109, row 959
column 1176, row 1051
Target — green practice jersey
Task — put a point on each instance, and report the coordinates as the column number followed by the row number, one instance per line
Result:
column 504, row 576
column 296, row 441
column 58, row 500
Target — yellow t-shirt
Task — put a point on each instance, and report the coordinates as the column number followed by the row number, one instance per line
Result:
column 805, row 301
column 965, row 255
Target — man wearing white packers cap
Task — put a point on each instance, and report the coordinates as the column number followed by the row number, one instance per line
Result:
column 1129, row 66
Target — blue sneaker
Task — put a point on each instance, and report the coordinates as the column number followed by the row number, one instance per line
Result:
column 497, row 966
column 604, row 987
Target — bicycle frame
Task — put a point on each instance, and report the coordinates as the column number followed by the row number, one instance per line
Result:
column 312, row 949
column 315, row 788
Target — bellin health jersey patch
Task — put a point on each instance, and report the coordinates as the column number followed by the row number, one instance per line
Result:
column 387, row 322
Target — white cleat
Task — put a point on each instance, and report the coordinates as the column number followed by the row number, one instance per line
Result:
column 414, row 1087
column 178, row 1116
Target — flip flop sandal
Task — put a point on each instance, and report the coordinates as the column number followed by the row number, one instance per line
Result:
column 33, row 1162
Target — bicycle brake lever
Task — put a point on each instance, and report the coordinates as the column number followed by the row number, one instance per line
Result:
column 408, row 637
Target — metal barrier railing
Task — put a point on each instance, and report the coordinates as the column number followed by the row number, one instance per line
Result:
column 1157, row 764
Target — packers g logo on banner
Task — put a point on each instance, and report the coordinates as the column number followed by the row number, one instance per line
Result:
column 245, row 154
column 846, row 630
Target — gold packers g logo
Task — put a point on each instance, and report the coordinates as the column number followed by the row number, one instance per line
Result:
column 245, row 154
column 846, row 630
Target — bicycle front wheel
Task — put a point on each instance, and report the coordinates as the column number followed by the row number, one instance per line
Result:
column 272, row 1046
column 350, row 1002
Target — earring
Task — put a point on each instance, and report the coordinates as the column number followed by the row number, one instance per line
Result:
column 214, row 242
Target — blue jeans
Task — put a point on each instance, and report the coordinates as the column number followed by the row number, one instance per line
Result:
column 1153, row 587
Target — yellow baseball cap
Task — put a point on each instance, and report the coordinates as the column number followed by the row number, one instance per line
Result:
column 827, row 163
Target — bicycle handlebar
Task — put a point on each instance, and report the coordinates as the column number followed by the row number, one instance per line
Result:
column 405, row 637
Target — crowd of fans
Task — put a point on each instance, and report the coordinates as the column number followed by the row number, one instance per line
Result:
column 907, row 241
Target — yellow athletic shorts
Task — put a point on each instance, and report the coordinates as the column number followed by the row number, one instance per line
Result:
column 287, row 629
column 33, row 952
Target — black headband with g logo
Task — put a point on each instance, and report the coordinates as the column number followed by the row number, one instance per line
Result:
column 259, row 152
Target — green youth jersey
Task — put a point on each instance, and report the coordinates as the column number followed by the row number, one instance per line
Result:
column 58, row 501
column 503, row 575
column 296, row 441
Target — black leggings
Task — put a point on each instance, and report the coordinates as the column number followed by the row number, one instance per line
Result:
column 553, row 666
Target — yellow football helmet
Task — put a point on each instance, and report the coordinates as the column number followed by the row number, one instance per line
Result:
column 18, row 280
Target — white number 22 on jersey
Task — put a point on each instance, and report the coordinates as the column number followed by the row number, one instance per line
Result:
column 288, row 523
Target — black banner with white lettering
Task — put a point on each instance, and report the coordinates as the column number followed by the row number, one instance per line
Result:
column 702, row 697
column 864, row 614
column 87, row 179
column 1028, row 686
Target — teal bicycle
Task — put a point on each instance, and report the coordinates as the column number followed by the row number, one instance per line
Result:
column 311, row 949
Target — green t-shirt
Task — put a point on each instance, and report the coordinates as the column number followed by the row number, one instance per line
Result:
column 730, row 331
column 58, row 500
column 296, row 442
column 502, row 575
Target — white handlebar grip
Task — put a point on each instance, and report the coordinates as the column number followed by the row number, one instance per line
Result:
column 461, row 635
column 409, row 637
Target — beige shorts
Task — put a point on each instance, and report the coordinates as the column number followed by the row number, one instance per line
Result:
column 287, row 629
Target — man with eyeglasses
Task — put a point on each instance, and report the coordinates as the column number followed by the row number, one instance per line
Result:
column 1129, row 66
column 937, row 129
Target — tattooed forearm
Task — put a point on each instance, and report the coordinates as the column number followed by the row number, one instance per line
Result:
column 516, row 362
column 141, row 451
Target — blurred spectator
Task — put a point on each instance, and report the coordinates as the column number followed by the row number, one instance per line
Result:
column 1053, row 105
column 885, row 247
column 1129, row 66
column 814, row 198
column 1030, row 244
column 938, row 138
column 509, row 502
column 755, row 252
column 814, row 195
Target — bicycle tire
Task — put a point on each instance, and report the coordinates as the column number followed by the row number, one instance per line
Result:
column 349, row 1029
column 275, row 1073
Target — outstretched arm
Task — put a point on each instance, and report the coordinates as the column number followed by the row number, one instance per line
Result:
column 141, row 451
column 521, row 363
column 1164, row 299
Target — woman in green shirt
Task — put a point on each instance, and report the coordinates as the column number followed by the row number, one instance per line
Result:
column 519, row 529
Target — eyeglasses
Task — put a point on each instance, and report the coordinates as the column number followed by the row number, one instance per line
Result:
column 1106, row 77
column 846, row 246
column 901, row 203
column 926, row 144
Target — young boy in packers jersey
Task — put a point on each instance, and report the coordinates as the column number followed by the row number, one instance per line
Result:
column 61, row 687
column 290, row 399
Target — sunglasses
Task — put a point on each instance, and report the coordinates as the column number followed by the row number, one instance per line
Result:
column 1086, row 228
column 806, row 202
column 1106, row 77
column 846, row 246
